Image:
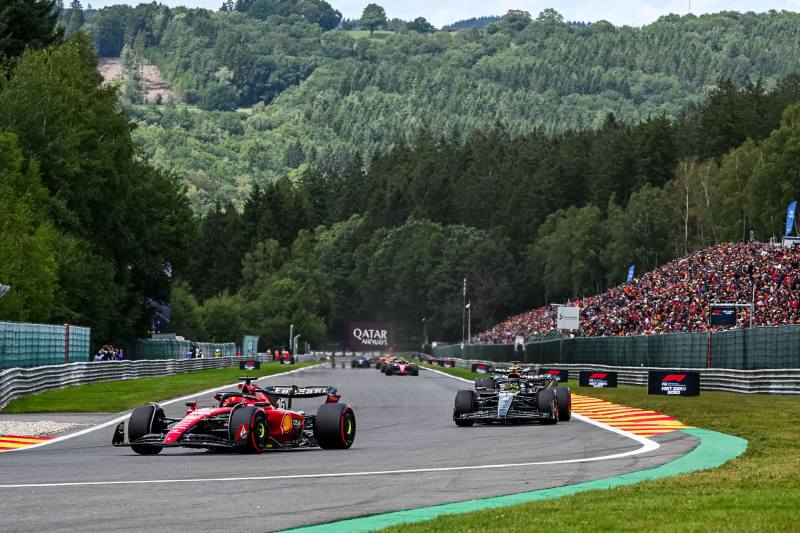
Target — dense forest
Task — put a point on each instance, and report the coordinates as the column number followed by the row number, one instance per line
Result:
column 260, row 98
column 527, row 219
column 90, row 232
column 340, row 196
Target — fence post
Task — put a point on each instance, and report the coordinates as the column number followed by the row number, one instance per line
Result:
column 66, row 347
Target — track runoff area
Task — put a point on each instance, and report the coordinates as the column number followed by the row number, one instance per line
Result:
column 408, row 455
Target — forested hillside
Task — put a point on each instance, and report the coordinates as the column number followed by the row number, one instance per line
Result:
column 367, row 177
column 320, row 97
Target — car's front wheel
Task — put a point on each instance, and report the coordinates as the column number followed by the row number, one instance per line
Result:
column 335, row 426
column 465, row 404
column 144, row 420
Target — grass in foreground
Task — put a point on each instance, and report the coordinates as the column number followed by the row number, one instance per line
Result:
column 116, row 396
column 760, row 491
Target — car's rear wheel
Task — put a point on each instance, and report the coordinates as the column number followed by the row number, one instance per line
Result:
column 465, row 404
column 548, row 404
column 564, row 396
column 248, row 429
column 415, row 371
column 335, row 426
column 388, row 371
column 146, row 419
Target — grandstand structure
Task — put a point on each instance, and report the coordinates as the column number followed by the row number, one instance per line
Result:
column 678, row 297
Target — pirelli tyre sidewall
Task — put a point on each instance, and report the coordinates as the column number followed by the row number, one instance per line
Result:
column 466, row 402
column 335, row 426
column 145, row 419
column 248, row 429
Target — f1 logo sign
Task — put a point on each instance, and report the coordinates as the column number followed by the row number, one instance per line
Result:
column 673, row 383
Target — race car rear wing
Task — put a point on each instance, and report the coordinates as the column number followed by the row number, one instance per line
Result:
column 293, row 391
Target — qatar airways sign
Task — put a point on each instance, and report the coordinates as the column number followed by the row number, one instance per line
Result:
column 370, row 336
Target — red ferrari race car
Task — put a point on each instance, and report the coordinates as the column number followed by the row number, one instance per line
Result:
column 250, row 419
column 401, row 367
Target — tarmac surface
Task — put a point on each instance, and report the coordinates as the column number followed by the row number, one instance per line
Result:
column 407, row 453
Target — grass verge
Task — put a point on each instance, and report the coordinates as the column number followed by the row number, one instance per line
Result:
column 116, row 396
column 760, row 491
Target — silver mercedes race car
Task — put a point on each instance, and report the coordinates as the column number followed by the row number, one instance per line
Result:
column 513, row 395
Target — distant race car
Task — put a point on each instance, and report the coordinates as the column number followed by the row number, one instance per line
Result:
column 250, row 419
column 401, row 367
column 383, row 362
column 513, row 395
column 362, row 361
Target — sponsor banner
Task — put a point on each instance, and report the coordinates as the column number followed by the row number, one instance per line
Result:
column 598, row 379
column 568, row 318
column 561, row 374
column 725, row 316
column 249, row 365
column 370, row 336
column 673, row 382
column 631, row 270
column 790, row 215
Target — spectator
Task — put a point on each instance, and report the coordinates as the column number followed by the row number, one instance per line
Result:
column 677, row 296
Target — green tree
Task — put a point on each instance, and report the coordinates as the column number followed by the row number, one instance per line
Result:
column 223, row 317
column 186, row 316
column 27, row 262
column 421, row 25
column 28, row 24
column 373, row 17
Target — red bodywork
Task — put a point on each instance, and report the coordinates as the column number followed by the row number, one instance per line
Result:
column 284, row 425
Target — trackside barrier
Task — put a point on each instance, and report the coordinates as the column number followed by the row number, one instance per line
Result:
column 766, row 381
column 24, row 344
column 16, row 382
column 743, row 349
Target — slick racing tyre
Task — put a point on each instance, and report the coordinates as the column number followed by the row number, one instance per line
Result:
column 335, row 426
column 414, row 371
column 484, row 383
column 248, row 429
column 465, row 403
column 146, row 419
column 564, row 396
column 548, row 404
column 388, row 371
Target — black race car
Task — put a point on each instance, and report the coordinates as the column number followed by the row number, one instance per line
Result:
column 513, row 395
column 361, row 361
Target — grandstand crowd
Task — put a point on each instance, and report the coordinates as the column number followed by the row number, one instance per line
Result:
column 677, row 296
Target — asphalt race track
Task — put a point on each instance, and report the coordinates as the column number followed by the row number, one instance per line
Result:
column 403, row 423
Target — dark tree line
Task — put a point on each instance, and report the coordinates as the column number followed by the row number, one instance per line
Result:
column 90, row 231
column 527, row 219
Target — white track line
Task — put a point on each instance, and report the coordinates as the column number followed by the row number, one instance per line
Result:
column 126, row 415
column 318, row 476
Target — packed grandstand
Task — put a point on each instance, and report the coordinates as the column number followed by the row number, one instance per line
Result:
column 677, row 296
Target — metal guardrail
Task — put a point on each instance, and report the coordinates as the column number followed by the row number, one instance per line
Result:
column 768, row 381
column 16, row 382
